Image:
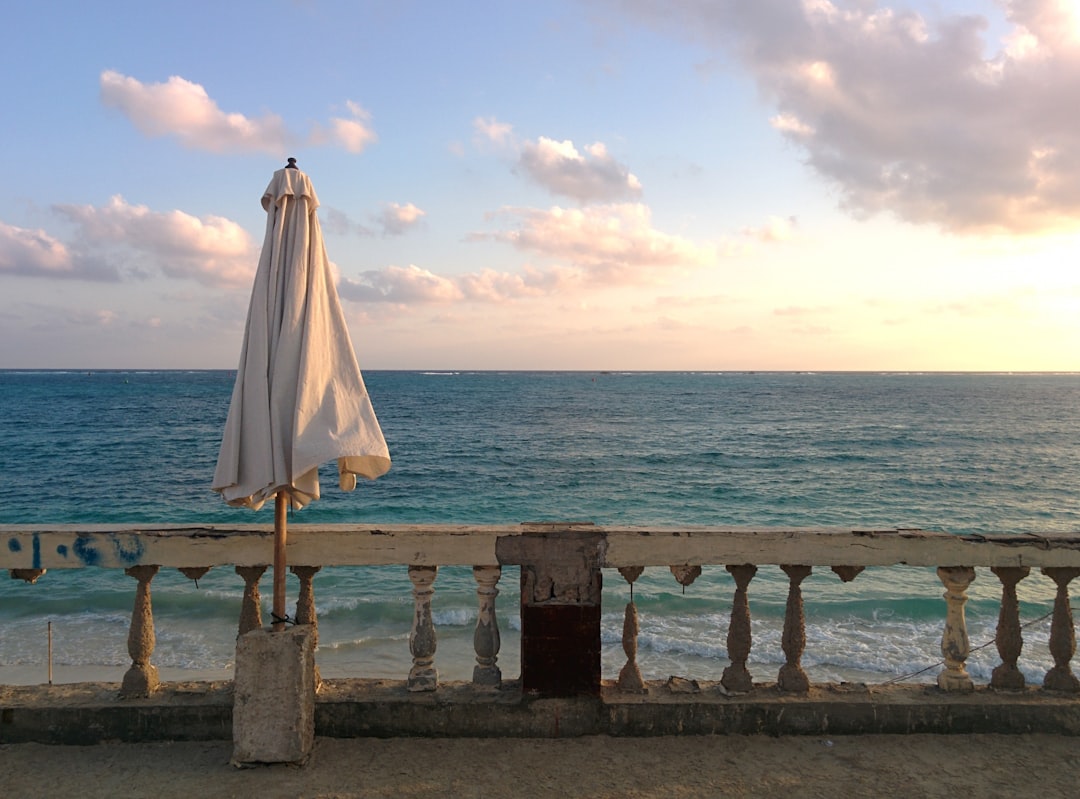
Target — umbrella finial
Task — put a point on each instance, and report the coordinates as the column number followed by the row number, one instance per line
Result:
column 291, row 164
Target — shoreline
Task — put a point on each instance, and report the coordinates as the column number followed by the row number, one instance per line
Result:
column 31, row 675
column 27, row 675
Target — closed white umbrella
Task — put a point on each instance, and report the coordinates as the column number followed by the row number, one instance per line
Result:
column 299, row 398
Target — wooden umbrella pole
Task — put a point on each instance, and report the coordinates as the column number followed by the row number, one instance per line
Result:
column 280, row 508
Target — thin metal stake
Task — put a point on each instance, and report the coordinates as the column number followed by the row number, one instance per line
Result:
column 50, row 653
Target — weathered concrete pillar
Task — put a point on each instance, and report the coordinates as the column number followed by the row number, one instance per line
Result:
column 141, row 679
column 423, row 676
column 1009, row 639
column 305, row 601
column 792, row 678
column 736, row 677
column 250, row 605
column 955, row 646
column 630, row 679
column 561, row 585
column 305, row 609
column 486, row 641
column 1062, row 633
column 274, row 697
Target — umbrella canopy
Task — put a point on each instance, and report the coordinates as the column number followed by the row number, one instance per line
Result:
column 299, row 400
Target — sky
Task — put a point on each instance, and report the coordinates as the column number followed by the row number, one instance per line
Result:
column 572, row 184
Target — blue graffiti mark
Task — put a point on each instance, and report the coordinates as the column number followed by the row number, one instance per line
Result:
column 14, row 545
column 37, row 551
column 86, row 551
column 128, row 550
column 61, row 550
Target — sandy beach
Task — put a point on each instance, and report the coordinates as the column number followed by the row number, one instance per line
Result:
column 881, row 766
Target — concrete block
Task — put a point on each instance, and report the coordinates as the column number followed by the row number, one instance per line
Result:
column 560, row 650
column 561, row 588
column 274, row 697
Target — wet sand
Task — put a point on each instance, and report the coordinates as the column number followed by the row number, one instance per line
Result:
column 882, row 766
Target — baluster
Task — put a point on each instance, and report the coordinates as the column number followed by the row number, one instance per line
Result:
column 26, row 575
column 422, row 639
column 251, row 604
column 486, row 641
column 194, row 573
column 305, row 602
column 1062, row 633
column 736, row 678
column 141, row 679
column 955, row 646
column 305, row 609
column 685, row 574
column 630, row 680
column 847, row 573
column 1009, row 640
column 792, row 678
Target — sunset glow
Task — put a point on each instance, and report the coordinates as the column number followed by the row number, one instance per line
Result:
column 581, row 184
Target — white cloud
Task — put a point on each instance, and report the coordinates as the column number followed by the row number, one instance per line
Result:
column 211, row 250
column 393, row 219
column 35, row 253
column 490, row 130
column 397, row 219
column 792, row 126
column 610, row 243
column 403, row 285
column 492, row 286
column 587, row 176
column 413, row 285
column 352, row 133
column 184, row 110
column 925, row 119
column 592, row 176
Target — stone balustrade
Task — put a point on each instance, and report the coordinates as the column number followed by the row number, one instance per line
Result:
column 561, row 578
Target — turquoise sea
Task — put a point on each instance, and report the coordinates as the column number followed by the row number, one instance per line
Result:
column 986, row 453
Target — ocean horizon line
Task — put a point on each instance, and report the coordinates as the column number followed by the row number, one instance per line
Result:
column 591, row 371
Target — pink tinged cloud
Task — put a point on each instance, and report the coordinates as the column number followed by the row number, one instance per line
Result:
column 186, row 111
column 490, row 130
column 211, row 250
column 910, row 116
column 592, row 176
column 412, row 285
column 33, row 253
column 352, row 133
column 400, row 284
column 396, row 219
column 610, row 243
column 183, row 109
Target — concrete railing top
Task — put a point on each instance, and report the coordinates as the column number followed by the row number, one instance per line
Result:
column 122, row 546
